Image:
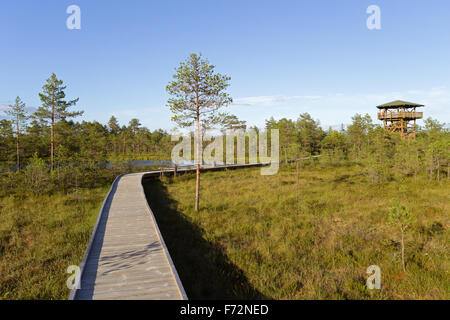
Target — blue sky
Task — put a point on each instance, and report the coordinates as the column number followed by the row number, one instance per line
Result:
column 284, row 57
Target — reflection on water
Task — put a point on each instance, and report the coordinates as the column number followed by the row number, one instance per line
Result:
column 163, row 163
column 133, row 163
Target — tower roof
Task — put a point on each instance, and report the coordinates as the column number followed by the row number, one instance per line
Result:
column 399, row 103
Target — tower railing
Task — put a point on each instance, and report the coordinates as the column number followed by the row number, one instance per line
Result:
column 399, row 115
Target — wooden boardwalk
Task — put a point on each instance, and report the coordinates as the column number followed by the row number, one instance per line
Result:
column 126, row 257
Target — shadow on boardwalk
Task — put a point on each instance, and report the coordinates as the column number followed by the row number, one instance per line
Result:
column 203, row 267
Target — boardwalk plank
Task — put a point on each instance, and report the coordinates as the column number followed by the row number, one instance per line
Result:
column 127, row 257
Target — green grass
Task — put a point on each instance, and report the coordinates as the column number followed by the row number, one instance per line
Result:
column 252, row 239
column 40, row 236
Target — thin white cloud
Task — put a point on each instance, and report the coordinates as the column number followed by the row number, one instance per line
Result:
column 125, row 113
column 310, row 97
column 272, row 100
column 336, row 108
column 4, row 107
column 260, row 100
column 134, row 112
column 435, row 96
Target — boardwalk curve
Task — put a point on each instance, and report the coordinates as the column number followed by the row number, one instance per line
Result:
column 126, row 257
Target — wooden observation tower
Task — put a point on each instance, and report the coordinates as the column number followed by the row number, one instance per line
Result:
column 400, row 116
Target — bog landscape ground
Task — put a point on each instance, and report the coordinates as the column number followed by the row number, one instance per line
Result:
column 253, row 238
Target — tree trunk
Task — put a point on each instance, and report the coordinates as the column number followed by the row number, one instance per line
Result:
column 139, row 145
column 52, row 136
column 296, row 192
column 439, row 170
column 197, row 184
column 415, row 167
column 403, row 252
column 17, row 144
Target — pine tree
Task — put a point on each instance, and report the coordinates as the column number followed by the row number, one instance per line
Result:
column 18, row 115
column 358, row 134
column 114, row 129
column 54, row 108
column 310, row 133
column 402, row 218
column 6, row 140
column 197, row 93
column 134, row 127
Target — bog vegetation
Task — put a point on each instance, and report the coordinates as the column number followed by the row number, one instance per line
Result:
column 258, row 238
column 253, row 238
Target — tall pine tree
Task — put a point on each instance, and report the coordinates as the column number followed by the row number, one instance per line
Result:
column 54, row 108
column 18, row 115
column 197, row 92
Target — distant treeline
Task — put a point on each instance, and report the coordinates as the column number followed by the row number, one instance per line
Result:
column 81, row 152
column 48, row 146
column 362, row 141
column 384, row 156
column 50, row 134
column 83, row 142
